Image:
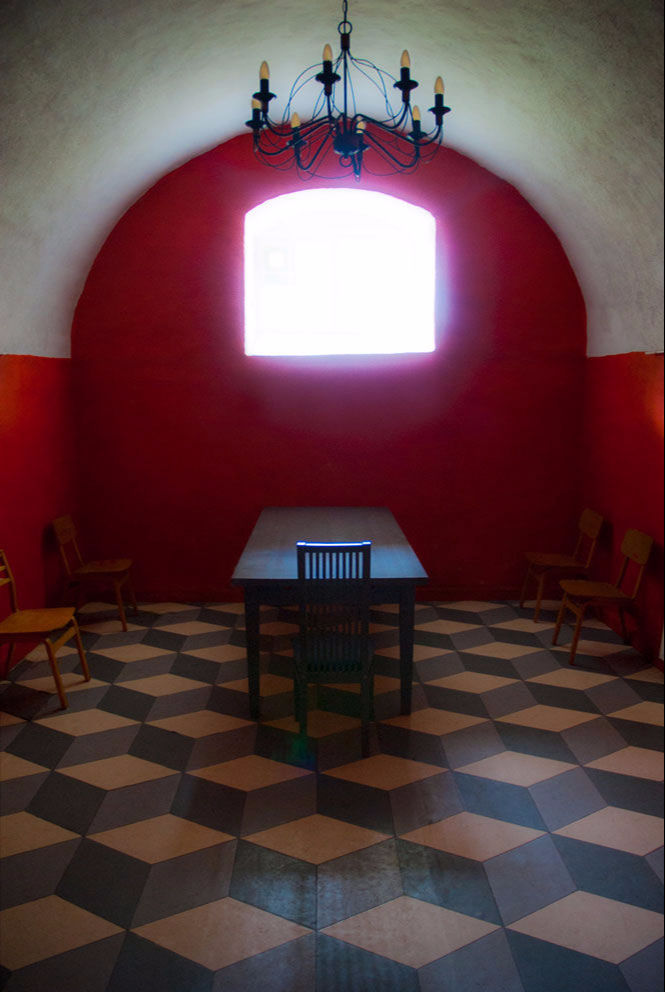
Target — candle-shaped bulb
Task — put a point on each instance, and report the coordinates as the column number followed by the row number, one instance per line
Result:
column 405, row 61
column 264, row 71
column 295, row 121
column 416, row 113
column 256, row 104
column 438, row 85
column 361, row 126
column 327, row 53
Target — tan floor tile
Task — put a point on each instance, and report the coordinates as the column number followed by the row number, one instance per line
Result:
column 11, row 766
column 320, row 723
column 623, row 829
column 250, row 772
column 595, row 649
column 160, row 838
column 572, row 678
column 470, row 835
column 472, row 682
column 202, row 723
column 639, row 762
column 9, row 720
column 645, row 712
column 39, row 653
column 166, row 607
column 162, row 685
column 83, row 722
column 384, row 771
column 394, row 608
column 133, row 652
column 650, row 674
column 437, row 722
column 20, row 832
column 72, row 681
column 421, row 652
column 382, row 683
column 594, row 925
column 545, row 604
column 97, row 607
column 219, row 652
column 548, row 718
column 271, row 685
column 118, row 772
column 517, row 769
column 278, row 628
column 247, row 931
column 38, row 930
column 316, row 838
column 501, row 649
column 109, row 627
column 446, row 626
column 237, row 608
column 190, row 628
column 524, row 625
column 410, row 931
column 472, row 606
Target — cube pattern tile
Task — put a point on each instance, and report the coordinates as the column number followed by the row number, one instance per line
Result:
column 506, row 835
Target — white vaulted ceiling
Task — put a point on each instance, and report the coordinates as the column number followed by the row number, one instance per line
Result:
column 562, row 98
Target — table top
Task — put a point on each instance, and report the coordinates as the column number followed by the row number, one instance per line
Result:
column 270, row 553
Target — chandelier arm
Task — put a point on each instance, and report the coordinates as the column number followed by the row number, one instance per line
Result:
column 401, row 164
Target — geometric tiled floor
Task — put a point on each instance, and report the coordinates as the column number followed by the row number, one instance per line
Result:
column 506, row 836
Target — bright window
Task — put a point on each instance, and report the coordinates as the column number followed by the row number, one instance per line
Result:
column 338, row 272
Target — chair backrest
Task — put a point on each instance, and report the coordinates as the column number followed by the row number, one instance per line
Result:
column 65, row 533
column 589, row 527
column 334, row 599
column 7, row 579
column 635, row 547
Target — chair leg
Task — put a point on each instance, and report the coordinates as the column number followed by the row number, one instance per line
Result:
column 130, row 590
column 576, row 634
column 559, row 619
column 539, row 596
column 121, row 606
column 524, row 586
column 53, row 662
column 82, row 655
column 10, row 652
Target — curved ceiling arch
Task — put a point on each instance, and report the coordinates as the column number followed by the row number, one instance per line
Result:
column 102, row 97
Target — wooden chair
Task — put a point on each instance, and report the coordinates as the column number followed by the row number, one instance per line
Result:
column 580, row 594
column 544, row 565
column 53, row 626
column 111, row 572
column 333, row 644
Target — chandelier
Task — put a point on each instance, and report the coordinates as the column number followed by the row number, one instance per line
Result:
column 396, row 143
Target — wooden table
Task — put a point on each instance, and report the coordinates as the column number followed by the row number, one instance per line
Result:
column 267, row 572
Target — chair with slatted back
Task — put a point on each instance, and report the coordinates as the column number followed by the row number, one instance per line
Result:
column 52, row 626
column 108, row 573
column 582, row 594
column 542, row 565
column 333, row 643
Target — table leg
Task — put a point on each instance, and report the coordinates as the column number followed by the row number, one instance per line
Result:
column 252, row 644
column 407, row 614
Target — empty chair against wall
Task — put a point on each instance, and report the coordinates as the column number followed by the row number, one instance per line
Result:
column 581, row 594
column 543, row 565
column 333, row 643
column 109, row 573
column 52, row 626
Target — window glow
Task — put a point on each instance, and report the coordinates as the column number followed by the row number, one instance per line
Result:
column 339, row 272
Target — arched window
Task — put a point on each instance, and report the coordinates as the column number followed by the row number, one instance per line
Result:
column 339, row 272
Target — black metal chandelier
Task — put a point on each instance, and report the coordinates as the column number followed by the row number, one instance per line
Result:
column 398, row 141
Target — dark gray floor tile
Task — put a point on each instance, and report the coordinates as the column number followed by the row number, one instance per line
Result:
column 357, row 882
column 640, row 795
column 498, row 800
column 274, row 882
column 532, row 740
column 546, row 967
column 106, row 882
column 463, row 747
column 594, row 739
column 291, row 967
column 340, row 967
column 528, row 878
column 613, row 874
column 145, row 966
column 566, row 798
column 644, row 971
column 86, row 968
column 447, row 880
column 486, row 964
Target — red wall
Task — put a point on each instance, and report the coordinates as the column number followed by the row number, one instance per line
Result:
column 37, row 472
column 623, row 471
column 185, row 439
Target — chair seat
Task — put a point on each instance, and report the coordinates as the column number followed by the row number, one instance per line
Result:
column 545, row 560
column 36, row 621
column 108, row 566
column 587, row 589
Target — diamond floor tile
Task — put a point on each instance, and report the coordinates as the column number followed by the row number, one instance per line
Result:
column 506, row 835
